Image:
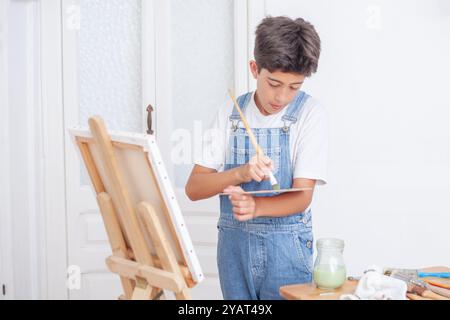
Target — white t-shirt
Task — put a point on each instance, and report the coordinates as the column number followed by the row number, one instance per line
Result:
column 308, row 138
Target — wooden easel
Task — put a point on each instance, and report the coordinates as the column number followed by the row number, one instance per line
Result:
column 143, row 275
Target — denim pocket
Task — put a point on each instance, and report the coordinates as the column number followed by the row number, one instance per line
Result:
column 304, row 246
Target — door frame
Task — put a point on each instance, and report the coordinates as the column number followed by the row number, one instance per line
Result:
column 6, row 274
column 54, row 229
column 248, row 14
column 23, row 255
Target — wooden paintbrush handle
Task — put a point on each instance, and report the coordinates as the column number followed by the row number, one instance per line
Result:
column 437, row 284
column 443, row 292
column 258, row 149
column 413, row 296
column 431, row 295
column 246, row 125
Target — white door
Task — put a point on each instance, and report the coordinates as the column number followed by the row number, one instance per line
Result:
column 115, row 67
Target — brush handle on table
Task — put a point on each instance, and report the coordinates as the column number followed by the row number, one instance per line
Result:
column 413, row 296
column 434, row 274
column 431, row 295
column 437, row 284
column 441, row 291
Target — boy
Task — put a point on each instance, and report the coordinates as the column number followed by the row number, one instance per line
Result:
column 266, row 241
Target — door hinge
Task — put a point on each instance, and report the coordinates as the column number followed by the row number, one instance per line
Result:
column 4, row 289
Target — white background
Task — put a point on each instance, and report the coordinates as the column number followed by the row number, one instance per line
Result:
column 383, row 77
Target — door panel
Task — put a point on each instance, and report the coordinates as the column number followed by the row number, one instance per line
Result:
column 4, row 141
column 200, row 64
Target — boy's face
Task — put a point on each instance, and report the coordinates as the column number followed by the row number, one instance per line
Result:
column 274, row 90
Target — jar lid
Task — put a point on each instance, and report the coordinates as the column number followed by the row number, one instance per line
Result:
column 330, row 243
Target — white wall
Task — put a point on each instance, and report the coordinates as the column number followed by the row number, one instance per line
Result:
column 383, row 77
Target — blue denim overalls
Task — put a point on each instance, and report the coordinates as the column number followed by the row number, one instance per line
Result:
column 255, row 258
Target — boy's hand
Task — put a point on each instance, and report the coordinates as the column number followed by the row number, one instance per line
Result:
column 244, row 205
column 256, row 169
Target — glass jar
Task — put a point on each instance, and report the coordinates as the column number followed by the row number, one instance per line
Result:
column 329, row 268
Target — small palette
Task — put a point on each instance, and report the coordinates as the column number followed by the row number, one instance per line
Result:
column 270, row 191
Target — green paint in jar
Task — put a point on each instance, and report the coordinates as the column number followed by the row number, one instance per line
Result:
column 329, row 277
column 329, row 268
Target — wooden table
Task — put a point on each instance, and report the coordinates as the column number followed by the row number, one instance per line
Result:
column 309, row 291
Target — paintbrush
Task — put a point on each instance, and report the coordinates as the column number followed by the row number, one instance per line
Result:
column 439, row 290
column 437, row 284
column 270, row 191
column 417, row 286
column 417, row 273
column 259, row 151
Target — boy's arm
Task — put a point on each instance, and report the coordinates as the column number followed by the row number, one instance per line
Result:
column 246, row 207
column 206, row 182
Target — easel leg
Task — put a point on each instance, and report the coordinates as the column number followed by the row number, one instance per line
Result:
column 143, row 291
column 163, row 250
column 115, row 236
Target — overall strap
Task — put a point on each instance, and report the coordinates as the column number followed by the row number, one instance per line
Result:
column 294, row 109
column 243, row 101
